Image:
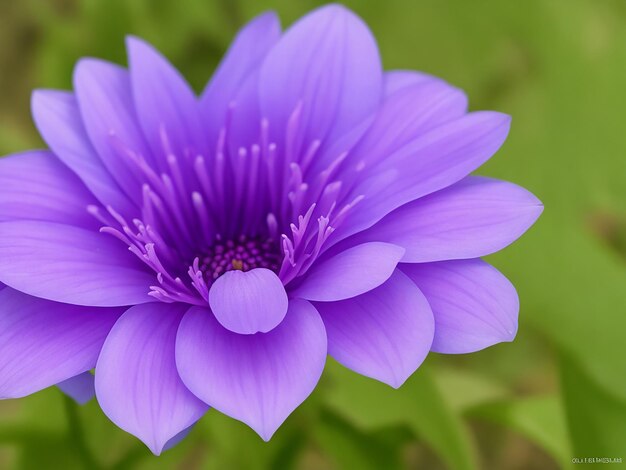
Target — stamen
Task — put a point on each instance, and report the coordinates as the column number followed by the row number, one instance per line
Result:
column 237, row 264
column 234, row 208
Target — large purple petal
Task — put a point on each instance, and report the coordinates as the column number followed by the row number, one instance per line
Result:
column 137, row 383
column 350, row 273
column 244, row 117
column 328, row 64
column 105, row 99
column 70, row 264
column 248, row 302
column 242, row 59
column 81, row 387
column 167, row 107
column 474, row 305
column 429, row 163
column 37, row 186
column 43, row 343
column 258, row 379
column 59, row 121
column 385, row 333
column 406, row 114
column 474, row 217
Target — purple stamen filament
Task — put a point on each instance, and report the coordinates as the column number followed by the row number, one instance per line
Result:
column 204, row 215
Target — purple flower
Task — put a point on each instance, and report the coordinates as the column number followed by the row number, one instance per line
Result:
column 212, row 251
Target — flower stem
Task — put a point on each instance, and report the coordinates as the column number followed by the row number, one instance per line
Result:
column 76, row 435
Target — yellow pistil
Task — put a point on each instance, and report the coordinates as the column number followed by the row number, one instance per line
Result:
column 237, row 264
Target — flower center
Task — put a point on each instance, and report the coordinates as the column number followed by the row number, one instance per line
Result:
column 194, row 203
column 243, row 254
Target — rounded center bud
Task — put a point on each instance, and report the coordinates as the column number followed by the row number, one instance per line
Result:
column 242, row 254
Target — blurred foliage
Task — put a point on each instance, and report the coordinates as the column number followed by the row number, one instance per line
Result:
column 557, row 392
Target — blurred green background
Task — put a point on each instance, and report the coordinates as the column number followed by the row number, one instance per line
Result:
column 557, row 393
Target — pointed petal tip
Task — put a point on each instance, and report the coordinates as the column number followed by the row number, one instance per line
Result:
column 492, row 121
column 155, row 447
column 87, row 73
column 269, row 19
column 158, row 445
column 537, row 210
column 392, row 379
column 505, row 336
column 510, row 334
column 396, row 383
column 265, row 432
column 505, row 123
column 133, row 41
column 532, row 206
column 136, row 46
column 264, row 428
column 41, row 98
column 333, row 11
column 85, row 66
column 502, row 117
column 497, row 118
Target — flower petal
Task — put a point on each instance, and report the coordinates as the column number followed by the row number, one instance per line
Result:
column 248, row 302
column 80, row 387
column 429, row 163
column 385, row 333
column 177, row 439
column 350, row 273
column 328, row 63
column 242, row 59
column 258, row 379
column 105, row 99
column 37, row 186
column 474, row 217
column 59, row 121
column 406, row 114
column 166, row 105
column 474, row 305
column 137, row 383
column 70, row 264
column 395, row 80
column 43, row 343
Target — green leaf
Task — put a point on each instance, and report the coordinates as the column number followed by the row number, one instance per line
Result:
column 571, row 284
column 463, row 389
column 597, row 419
column 227, row 438
column 540, row 419
column 38, row 454
column 348, row 447
column 369, row 404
